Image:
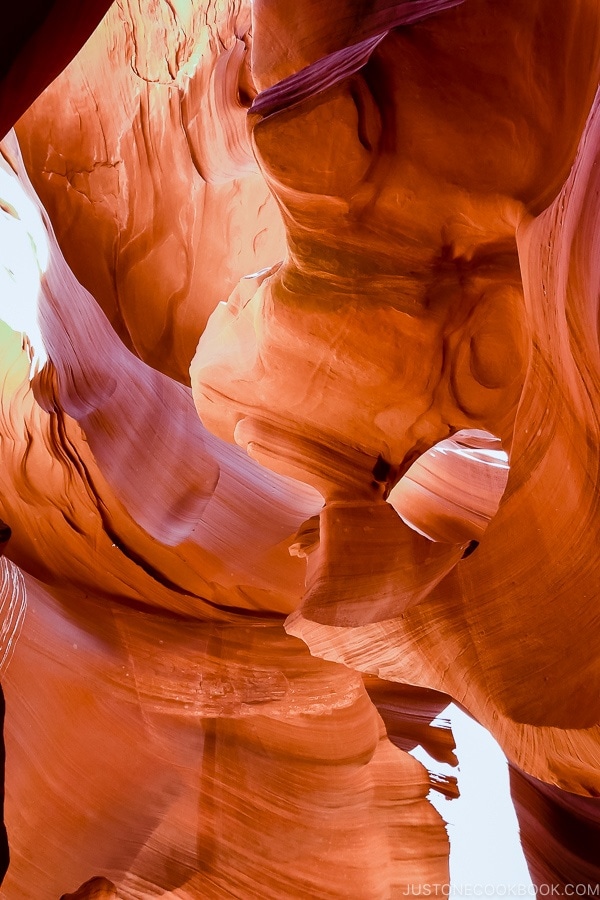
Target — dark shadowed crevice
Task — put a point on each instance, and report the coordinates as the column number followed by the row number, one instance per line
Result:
column 4, row 848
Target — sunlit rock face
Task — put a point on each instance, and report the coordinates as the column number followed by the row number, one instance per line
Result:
column 299, row 370
column 149, row 165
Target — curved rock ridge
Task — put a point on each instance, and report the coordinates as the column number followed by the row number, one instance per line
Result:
column 453, row 491
column 412, row 719
column 95, row 889
column 550, row 559
column 107, row 454
column 137, row 529
column 299, row 368
column 289, row 41
column 560, row 834
column 13, row 605
column 150, row 164
column 427, row 291
column 203, row 761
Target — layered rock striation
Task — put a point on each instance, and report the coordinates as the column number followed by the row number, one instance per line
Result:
column 299, row 378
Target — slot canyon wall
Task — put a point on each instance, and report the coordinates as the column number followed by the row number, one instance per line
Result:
column 299, row 435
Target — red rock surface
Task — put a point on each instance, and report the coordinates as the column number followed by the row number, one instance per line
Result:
column 304, row 440
column 150, row 164
column 560, row 834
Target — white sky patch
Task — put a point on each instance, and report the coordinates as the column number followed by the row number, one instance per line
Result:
column 24, row 256
column 485, row 849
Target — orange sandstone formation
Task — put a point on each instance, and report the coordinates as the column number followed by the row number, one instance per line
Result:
column 427, row 290
column 150, row 167
column 369, row 230
column 560, row 833
column 94, row 889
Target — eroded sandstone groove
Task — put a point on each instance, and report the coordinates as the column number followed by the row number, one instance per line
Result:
column 299, row 435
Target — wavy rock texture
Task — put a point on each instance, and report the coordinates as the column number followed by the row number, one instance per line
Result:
column 156, row 173
column 254, row 769
column 430, row 196
column 560, row 834
column 158, row 579
column 228, row 651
